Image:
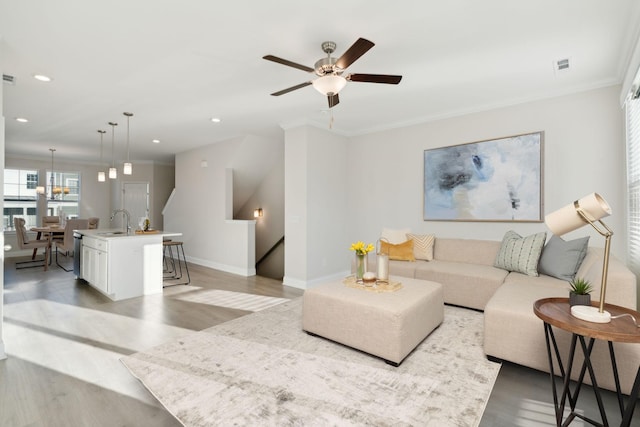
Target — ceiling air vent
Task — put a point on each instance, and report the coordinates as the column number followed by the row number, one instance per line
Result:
column 561, row 65
column 8, row 79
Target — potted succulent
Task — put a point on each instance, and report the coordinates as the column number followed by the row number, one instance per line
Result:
column 580, row 293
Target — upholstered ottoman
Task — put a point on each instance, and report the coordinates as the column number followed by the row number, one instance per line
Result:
column 387, row 324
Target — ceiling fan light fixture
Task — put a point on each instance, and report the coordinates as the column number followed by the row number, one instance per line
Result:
column 331, row 84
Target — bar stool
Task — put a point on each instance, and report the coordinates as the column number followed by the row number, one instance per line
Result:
column 173, row 264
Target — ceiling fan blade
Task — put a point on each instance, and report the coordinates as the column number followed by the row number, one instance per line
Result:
column 290, row 89
column 289, row 63
column 375, row 78
column 359, row 48
column 333, row 99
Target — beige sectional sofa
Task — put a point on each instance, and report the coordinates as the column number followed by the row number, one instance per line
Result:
column 512, row 332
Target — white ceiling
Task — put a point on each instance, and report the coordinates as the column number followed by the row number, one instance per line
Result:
column 177, row 64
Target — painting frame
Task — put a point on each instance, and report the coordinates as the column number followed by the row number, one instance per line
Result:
column 494, row 180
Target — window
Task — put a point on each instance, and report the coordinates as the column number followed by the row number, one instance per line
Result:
column 20, row 197
column 633, row 183
column 32, row 181
column 63, row 194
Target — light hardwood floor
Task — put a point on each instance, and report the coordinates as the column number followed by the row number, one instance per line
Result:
column 64, row 341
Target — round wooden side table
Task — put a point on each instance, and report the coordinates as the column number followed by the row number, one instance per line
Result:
column 557, row 312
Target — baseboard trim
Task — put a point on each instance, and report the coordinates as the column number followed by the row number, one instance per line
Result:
column 246, row 272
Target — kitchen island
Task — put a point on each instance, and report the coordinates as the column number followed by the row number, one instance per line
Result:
column 122, row 265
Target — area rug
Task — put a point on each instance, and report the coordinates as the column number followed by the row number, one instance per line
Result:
column 262, row 369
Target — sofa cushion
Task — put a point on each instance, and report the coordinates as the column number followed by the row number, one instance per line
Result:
column 466, row 250
column 399, row 252
column 395, row 236
column 422, row 245
column 562, row 259
column 520, row 254
column 467, row 285
column 513, row 332
column 403, row 268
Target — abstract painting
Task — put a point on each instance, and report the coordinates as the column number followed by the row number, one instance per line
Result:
column 494, row 180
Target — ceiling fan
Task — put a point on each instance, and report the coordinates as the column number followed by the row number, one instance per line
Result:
column 329, row 71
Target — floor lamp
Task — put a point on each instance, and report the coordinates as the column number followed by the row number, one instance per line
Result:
column 588, row 210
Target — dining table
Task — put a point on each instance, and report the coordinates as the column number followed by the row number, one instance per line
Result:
column 50, row 232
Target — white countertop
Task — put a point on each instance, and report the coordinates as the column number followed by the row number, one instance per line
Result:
column 118, row 233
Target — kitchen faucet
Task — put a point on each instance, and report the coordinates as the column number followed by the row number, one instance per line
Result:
column 126, row 213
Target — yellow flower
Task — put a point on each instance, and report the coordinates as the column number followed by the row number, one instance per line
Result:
column 360, row 248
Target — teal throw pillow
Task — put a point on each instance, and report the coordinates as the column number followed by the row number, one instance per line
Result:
column 562, row 259
column 520, row 254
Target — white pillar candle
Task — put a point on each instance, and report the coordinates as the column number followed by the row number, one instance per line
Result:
column 383, row 267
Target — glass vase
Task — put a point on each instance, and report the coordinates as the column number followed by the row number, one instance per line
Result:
column 361, row 266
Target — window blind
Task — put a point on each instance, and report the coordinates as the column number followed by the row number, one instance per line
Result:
column 633, row 183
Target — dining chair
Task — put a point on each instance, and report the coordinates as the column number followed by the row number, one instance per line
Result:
column 25, row 243
column 93, row 222
column 66, row 244
column 51, row 221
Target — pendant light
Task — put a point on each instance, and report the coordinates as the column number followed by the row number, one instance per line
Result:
column 54, row 190
column 113, row 173
column 128, row 168
column 101, row 174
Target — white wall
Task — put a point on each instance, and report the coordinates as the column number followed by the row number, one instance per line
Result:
column 340, row 190
column 161, row 181
column 295, row 208
column 161, row 186
column 270, row 228
column 2, row 243
column 316, row 200
column 584, row 152
column 200, row 205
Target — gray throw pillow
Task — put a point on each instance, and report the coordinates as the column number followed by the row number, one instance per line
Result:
column 562, row 259
column 520, row 254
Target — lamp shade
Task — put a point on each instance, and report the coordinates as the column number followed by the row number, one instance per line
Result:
column 329, row 84
column 567, row 219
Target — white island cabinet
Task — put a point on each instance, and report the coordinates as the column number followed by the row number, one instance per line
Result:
column 122, row 266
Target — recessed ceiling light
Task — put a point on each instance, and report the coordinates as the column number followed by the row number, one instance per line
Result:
column 42, row 77
column 156, row 141
column 22, row 119
column 216, row 120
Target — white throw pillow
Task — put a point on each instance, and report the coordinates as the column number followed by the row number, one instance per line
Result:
column 395, row 237
column 422, row 245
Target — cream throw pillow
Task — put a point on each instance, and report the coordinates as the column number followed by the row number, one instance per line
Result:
column 422, row 245
column 395, row 236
